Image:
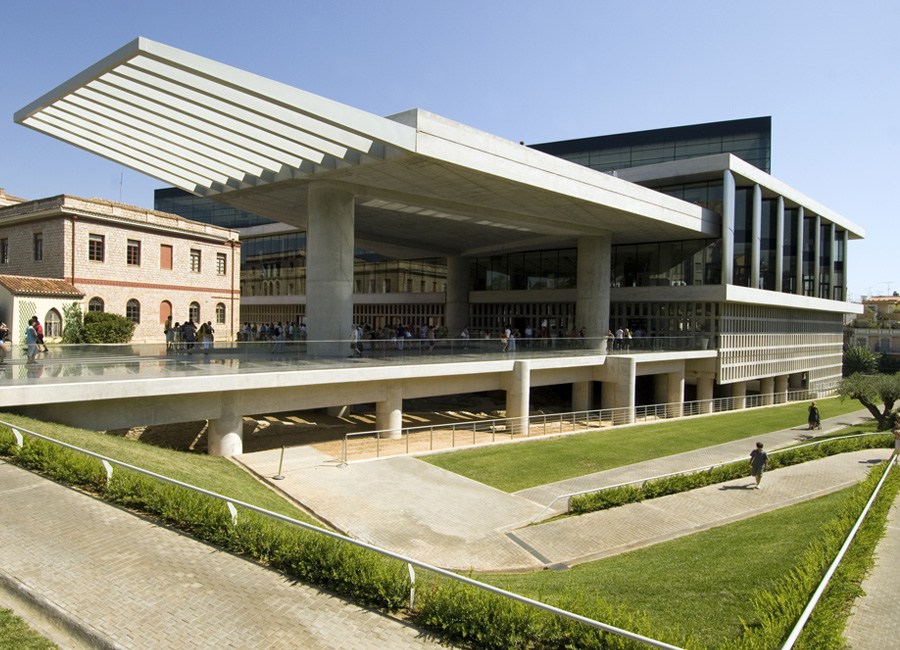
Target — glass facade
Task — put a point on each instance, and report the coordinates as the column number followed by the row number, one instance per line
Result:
column 550, row 269
column 743, row 217
column 748, row 139
column 767, row 244
column 187, row 205
column 789, row 251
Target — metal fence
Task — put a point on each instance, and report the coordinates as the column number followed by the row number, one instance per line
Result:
column 471, row 432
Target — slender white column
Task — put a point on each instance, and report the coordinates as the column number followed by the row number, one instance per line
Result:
column 817, row 256
column 517, row 394
column 728, row 194
column 329, row 268
column 389, row 412
column 456, row 307
column 592, row 293
column 801, row 217
column 581, row 395
column 755, row 234
column 225, row 434
column 779, row 244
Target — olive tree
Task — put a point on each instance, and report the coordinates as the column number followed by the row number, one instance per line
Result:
column 870, row 390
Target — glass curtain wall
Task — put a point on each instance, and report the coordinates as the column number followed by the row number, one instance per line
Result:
column 743, row 210
column 809, row 252
column 767, row 251
column 789, row 251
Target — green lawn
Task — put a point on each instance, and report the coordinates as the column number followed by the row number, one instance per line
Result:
column 703, row 583
column 213, row 473
column 16, row 635
column 519, row 466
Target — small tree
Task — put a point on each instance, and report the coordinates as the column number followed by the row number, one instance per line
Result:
column 869, row 390
column 860, row 359
column 102, row 327
column 73, row 326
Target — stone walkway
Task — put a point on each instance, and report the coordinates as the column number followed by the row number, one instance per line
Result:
column 110, row 579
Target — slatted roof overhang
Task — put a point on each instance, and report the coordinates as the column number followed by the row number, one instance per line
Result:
column 420, row 180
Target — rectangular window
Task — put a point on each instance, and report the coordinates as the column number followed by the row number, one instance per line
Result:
column 165, row 257
column 221, row 263
column 195, row 260
column 133, row 254
column 95, row 248
column 38, row 246
column 4, row 251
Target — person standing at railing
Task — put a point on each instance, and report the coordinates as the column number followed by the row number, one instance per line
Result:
column 758, row 461
column 4, row 342
column 897, row 437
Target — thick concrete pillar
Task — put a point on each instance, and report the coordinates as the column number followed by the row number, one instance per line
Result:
column 329, row 269
column 518, row 387
column 739, row 395
column 456, row 309
column 779, row 244
column 705, row 394
column 618, row 388
column 592, row 293
column 581, row 395
column 781, row 389
column 767, row 388
column 225, row 434
column 728, row 197
column 389, row 412
column 755, row 234
column 675, row 394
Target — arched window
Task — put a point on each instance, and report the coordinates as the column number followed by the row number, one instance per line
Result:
column 194, row 312
column 52, row 323
column 133, row 310
column 165, row 310
column 95, row 304
column 220, row 313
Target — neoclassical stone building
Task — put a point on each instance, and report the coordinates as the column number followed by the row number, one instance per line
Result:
column 141, row 264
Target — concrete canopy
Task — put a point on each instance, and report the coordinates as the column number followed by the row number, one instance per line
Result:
column 423, row 185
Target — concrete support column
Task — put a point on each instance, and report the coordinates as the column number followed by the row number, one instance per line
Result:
column 581, row 395
column 389, row 412
column 675, row 394
column 618, row 390
column 801, row 217
column 755, row 235
column 517, row 396
column 456, row 308
column 728, row 197
column 705, row 394
column 779, row 244
column 767, row 388
column 739, row 395
column 225, row 434
column 781, row 389
column 592, row 293
column 329, row 269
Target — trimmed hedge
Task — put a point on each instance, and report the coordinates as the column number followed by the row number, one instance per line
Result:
column 453, row 611
column 614, row 497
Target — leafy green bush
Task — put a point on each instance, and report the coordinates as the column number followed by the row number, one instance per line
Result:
column 605, row 499
column 103, row 327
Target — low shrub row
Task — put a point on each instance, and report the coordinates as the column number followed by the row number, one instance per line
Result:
column 451, row 610
column 619, row 496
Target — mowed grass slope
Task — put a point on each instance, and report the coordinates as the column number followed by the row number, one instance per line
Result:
column 512, row 467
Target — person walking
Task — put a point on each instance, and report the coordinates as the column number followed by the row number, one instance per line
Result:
column 815, row 422
column 897, row 437
column 31, row 339
column 758, row 461
column 5, row 346
column 42, row 347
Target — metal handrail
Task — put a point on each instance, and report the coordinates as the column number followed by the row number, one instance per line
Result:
column 618, row 416
column 107, row 461
column 695, row 470
column 807, row 611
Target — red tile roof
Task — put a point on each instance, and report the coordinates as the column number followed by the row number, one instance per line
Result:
column 21, row 285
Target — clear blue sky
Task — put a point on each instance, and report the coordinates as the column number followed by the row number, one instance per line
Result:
column 827, row 72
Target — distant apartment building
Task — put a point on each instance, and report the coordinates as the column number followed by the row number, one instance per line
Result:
column 142, row 264
column 878, row 328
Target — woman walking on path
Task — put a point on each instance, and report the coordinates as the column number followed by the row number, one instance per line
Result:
column 758, row 461
column 815, row 421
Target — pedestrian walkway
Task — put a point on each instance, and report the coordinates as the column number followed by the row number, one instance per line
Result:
column 874, row 623
column 111, row 579
column 415, row 509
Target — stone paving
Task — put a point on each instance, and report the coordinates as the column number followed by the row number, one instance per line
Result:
column 124, row 582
